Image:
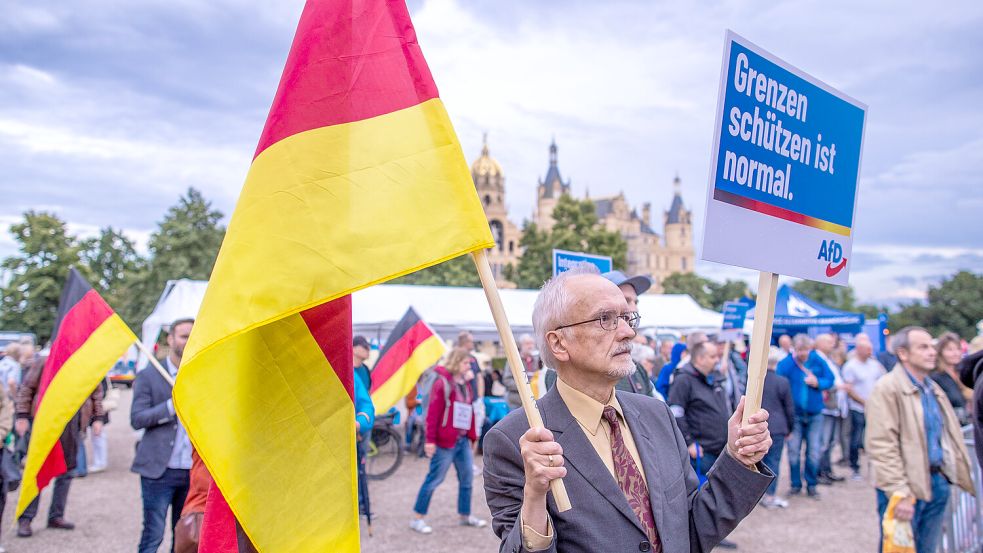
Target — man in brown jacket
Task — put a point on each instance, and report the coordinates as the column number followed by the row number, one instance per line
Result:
column 906, row 414
column 90, row 412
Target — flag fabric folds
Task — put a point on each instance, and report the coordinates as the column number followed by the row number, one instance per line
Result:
column 89, row 337
column 411, row 348
column 358, row 178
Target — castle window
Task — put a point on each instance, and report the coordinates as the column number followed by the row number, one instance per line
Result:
column 487, row 200
column 511, row 246
column 498, row 233
column 684, row 263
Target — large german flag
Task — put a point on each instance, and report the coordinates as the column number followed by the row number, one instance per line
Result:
column 358, row 178
column 411, row 348
column 88, row 339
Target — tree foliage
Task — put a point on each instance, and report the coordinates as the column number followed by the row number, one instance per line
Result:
column 955, row 304
column 112, row 260
column 708, row 293
column 837, row 297
column 459, row 271
column 184, row 245
column 576, row 228
column 37, row 273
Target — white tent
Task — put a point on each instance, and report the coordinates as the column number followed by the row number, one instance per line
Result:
column 376, row 310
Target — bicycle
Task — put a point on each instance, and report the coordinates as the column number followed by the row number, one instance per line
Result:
column 384, row 450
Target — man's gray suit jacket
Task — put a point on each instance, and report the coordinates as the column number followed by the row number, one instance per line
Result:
column 150, row 414
column 689, row 517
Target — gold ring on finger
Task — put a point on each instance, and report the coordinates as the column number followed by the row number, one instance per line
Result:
column 549, row 458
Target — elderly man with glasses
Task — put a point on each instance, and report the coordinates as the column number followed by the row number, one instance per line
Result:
column 622, row 458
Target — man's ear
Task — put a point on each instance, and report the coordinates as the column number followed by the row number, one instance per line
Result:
column 557, row 346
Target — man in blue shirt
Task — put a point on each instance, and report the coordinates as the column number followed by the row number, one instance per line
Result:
column 808, row 376
column 914, row 441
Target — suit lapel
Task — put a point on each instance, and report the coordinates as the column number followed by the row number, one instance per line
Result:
column 580, row 455
column 655, row 467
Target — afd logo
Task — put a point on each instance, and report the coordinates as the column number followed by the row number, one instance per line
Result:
column 832, row 253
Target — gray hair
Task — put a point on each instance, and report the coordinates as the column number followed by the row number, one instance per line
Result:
column 695, row 338
column 901, row 337
column 801, row 340
column 526, row 336
column 774, row 356
column 641, row 353
column 552, row 302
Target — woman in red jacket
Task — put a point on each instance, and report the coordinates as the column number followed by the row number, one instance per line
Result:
column 450, row 433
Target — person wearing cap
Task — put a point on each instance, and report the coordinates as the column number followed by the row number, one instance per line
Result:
column 631, row 287
column 360, row 354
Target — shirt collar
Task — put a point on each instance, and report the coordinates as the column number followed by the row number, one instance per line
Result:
column 170, row 366
column 925, row 387
column 587, row 410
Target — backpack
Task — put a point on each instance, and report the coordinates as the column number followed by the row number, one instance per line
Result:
column 425, row 387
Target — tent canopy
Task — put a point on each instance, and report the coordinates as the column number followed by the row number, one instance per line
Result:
column 449, row 310
column 796, row 313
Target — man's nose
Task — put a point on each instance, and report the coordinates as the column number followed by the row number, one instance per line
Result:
column 625, row 332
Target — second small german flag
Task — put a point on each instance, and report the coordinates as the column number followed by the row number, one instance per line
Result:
column 412, row 347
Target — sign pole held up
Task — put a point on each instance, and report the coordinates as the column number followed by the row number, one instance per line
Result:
column 760, row 341
column 515, row 363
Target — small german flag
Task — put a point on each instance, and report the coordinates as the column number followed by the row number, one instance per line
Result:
column 412, row 347
column 88, row 339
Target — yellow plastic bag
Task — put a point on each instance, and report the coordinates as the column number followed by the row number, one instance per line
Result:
column 898, row 534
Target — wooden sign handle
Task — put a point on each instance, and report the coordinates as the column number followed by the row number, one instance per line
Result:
column 764, row 316
column 515, row 363
column 153, row 361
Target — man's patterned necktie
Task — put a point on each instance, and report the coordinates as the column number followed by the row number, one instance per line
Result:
column 630, row 479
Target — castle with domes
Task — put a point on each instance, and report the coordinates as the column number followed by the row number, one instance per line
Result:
column 649, row 252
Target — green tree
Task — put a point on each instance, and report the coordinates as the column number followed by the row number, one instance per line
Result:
column 459, row 271
column 37, row 273
column 112, row 261
column 691, row 284
column 185, row 245
column 837, row 297
column 956, row 305
column 576, row 228
column 730, row 290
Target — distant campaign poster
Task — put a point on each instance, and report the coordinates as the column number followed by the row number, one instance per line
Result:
column 734, row 314
column 564, row 260
column 785, row 164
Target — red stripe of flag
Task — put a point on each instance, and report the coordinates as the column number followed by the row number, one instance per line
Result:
column 344, row 69
column 75, row 328
column 398, row 353
column 331, row 326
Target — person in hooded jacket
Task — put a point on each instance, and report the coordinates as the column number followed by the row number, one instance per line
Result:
column 450, row 433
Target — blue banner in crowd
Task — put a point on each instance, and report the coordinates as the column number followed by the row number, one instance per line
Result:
column 563, row 260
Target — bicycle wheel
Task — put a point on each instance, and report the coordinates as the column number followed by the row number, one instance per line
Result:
column 384, row 453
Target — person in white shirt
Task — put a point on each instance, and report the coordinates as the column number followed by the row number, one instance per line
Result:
column 836, row 409
column 860, row 374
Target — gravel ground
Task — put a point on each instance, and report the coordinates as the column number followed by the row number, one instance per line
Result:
column 107, row 511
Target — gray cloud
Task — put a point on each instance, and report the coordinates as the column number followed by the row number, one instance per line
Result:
column 108, row 113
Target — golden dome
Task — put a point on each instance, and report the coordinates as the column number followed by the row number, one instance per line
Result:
column 485, row 165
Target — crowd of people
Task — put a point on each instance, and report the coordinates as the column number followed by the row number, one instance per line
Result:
column 831, row 403
column 900, row 412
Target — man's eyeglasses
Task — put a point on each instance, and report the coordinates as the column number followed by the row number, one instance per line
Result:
column 609, row 320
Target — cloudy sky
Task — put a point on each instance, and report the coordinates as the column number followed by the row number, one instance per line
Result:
column 109, row 110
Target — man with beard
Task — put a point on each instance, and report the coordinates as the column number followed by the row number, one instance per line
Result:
column 163, row 457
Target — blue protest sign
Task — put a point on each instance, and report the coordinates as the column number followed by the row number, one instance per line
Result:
column 785, row 167
column 563, row 260
column 734, row 314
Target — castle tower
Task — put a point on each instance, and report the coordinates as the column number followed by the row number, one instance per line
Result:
column 489, row 182
column 678, row 234
column 549, row 191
